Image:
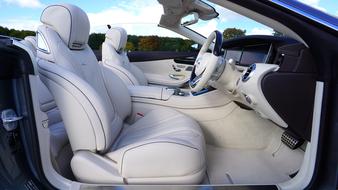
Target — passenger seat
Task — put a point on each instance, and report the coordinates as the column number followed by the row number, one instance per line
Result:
column 115, row 58
column 163, row 147
column 60, row 150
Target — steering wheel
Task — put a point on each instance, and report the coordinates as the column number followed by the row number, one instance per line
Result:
column 206, row 63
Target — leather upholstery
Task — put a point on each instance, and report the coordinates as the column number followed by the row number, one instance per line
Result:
column 70, row 22
column 117, row 37
column 114, row 58
column 30, row 42
column 163, row 137
column 59, row 145
column 163, row 147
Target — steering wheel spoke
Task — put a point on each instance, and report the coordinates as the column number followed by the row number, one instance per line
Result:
column 206, row 63
column 195, row 79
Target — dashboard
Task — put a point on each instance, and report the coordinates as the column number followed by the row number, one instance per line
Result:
column 253, row 49
column 275, row 76
column 246, row 55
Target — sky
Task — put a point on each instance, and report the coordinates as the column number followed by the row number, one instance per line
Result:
column 139, row 17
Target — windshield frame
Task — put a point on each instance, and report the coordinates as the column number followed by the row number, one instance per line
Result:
column 309, row 12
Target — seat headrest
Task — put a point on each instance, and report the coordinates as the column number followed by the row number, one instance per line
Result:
column 70, row 22
column 117, row 37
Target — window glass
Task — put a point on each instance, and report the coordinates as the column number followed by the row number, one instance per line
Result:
column 327, row 6
column 232, row 25
column 42, row 44
column 148, row 37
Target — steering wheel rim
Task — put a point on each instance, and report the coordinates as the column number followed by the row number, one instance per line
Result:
column 206, row 63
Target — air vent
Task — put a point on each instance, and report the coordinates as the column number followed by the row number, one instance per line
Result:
column 246, row 76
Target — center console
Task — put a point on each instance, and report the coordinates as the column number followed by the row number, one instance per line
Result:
column 176, row 98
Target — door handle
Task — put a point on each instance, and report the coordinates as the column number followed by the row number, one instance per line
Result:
column 176, row 69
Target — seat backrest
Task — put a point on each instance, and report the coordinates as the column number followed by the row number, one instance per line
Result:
column 115, row 58
column 92, row 107
column 30, row 42
column 59, row 144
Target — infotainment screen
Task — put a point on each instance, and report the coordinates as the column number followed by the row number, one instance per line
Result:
column 248, row 55
column 254, row 54
column 234, row 54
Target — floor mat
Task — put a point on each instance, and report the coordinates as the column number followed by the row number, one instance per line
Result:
column 238, row 166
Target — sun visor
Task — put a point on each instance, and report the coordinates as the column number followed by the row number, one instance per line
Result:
column 174, row 10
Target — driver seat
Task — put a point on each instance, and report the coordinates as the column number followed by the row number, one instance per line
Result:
column 115, row 58
column 162, row 147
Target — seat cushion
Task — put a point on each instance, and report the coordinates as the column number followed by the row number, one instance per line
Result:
column 163, row 144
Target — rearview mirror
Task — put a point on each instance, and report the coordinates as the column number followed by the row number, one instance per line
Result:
column 190, row 19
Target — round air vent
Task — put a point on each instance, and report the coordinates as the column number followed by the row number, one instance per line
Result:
column 248, row 73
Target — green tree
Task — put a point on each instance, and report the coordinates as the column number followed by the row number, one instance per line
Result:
column 95, row 40
column 143, row 43
column 134, row 40
column 230, row 33
column 130, row 46
column 16, row 33
column 149, row 43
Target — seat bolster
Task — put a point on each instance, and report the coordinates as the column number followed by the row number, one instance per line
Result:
column 138, row 73
column 149, row 158
column 127, row 78
column 92, row 168
column 119, row 62
column 118, row 93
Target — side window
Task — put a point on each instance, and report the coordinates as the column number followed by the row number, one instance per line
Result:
column 148, row 37
column 41, row 43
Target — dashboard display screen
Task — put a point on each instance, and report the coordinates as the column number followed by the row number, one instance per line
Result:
column 234, row 54
column 248, row 55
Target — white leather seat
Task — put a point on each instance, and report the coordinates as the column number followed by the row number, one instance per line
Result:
column 60, row 150
column 115, row 58
column 30, row 42
column 163, row 147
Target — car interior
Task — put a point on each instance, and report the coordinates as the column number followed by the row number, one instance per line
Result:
column 241, row 113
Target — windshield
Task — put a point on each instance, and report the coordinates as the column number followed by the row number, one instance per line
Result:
column 235, row 25
column 327, row 6
column 231, row 24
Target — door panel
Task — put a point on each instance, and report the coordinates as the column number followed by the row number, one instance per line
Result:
column 141, row 56
column 165, row 72
column 165, row 67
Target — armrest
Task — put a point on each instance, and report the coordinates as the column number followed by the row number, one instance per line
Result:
column 150, row 92
column 167, row 80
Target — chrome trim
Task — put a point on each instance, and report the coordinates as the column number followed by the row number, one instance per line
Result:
column 175, row 76
column 269, row 54
column 248, row 73
column 305, row 14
